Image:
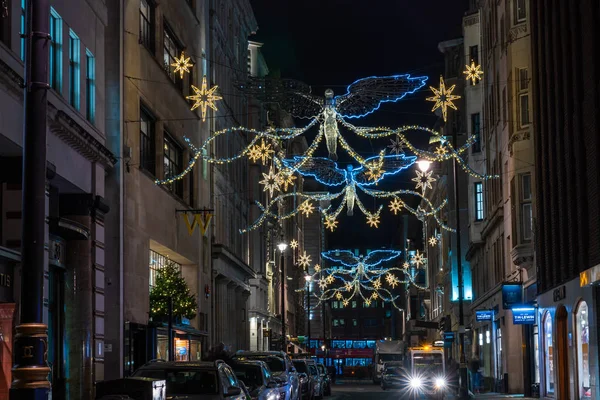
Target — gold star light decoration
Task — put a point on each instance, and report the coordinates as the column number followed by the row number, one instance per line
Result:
column 392, row 280
column 473, row 72
column 433, row 241
column 270, row 181
column 424, row 180
column 377, row 283
column 345, row 302
column 373, row 220
column 304, row 260
column 375, row 295
column 182, row 65
column 204, row 97
column 317, row 268
column 331, row 223
column 374, row 172
column 322, row 284
column 306, row 208
column 348, row 286
column 418, row 259
column 338, row 295
column 396, row 205
column 330, row 279
column 441, row 150
column 294, row 244
column 286, row 180
column 262, row 152
column 405, row 265
column 443, row 98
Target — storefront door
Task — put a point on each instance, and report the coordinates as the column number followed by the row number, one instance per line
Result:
column 562, row 352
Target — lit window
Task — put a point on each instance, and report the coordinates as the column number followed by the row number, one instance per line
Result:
column 55, row 51
column 74, row 68
column 523, row 89
column 90, row 86
column 158, row 262
column 479, row 201
column 172, row 50
column 583, row 349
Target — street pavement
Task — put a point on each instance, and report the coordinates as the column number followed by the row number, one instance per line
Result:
column 366, row 390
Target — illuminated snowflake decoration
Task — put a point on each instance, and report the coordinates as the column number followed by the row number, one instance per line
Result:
column 182, row 65
column 443, row 98
column 204, row 97
column 374, row 172
column 396, row 205
column 424, row 180
column 373, row 220
column 306, row 208
column 473, row 72
column 406, row 265
column 433, row 241
column 330, row 279
column 304, row 260
column 418, row 259
column 368, row 302
column 331, row 223
column 262, row 151
column 270, row 181
column 294, row 244
column 397, row 146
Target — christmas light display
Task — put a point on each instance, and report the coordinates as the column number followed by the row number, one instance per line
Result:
column 473, row 72
column 270, row 181
column 397, row 146
column 424, row 180
column 304, row 260
column 396, row 205
column 433, row 241
column 182, row 65
column 204, row 97
column 294, row 244
column 443, row 98
column 171, row 286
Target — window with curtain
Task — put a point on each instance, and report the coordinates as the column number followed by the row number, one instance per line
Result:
column 172, row 49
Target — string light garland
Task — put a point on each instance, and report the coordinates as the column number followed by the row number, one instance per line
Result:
column 204, row 97
column 182, row 65
column 473, row 72
column 443, row 98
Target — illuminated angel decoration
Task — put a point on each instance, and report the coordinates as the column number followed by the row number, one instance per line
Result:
column 367, row 278
column 363, row 97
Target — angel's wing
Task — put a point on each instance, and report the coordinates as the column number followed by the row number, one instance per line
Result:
column 376, row 257
column 365, row 95
column 322, row 169
column 291, row 95
column 344, row 257
column 392, row 164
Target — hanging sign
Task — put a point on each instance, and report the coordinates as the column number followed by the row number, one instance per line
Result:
column 483, row 315
column 523, row 315
column 197, row 218
column 512, row 294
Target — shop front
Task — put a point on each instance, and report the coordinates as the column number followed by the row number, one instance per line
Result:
column 8, row 259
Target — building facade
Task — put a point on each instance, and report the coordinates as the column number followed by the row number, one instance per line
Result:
column 78, row 161
column 566, row 80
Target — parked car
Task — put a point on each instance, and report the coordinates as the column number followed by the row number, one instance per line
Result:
column 195, row 380
column 281, row 367
column 326, row 379
column 307, row 382
column 257, row 378
column 393, row 375
column 318, row 392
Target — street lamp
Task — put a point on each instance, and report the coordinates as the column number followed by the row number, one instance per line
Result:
column 308, row 280
column 423, row 165
column 282, row 246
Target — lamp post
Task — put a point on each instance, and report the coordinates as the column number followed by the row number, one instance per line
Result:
column 308, row 279
column 282, row 246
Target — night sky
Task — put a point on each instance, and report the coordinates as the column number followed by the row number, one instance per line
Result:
column 330, row 44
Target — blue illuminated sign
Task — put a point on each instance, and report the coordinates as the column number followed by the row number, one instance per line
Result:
column 483, row 315
column 523, row 315
column 512, row 294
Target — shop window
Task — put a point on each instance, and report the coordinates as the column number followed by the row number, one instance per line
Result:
column 583, row 351
column 548, row 354
column 536, row 354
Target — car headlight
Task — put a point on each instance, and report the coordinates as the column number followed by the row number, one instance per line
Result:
column 440, row 383
column 416, row 383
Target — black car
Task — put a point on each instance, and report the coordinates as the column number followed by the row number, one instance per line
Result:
column 393, row 376
column 257, row 378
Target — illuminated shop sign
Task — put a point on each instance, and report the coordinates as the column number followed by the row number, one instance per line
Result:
column 523, row 315
column 483, row 315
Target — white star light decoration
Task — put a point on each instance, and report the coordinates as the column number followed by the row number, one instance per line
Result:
column 424, row 180
column 304, row 260
column 473, row 72
column 418, row 259
column 396, row 205
column 433, row 241
column 182, row 65
column 443, row 98
column 270, row 181
column 204, row 97
column 294, row 244
column 397, row 146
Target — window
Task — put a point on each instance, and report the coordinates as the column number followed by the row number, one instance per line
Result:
column 526, row 208
column 55, row 51
column 147, row 142
column 520, row 11
column 548, row 354
column 523, row 88
column 90, row 86
column 173, row 155
column 5, row 17
column 476, row 131
column 23, row 27
column 74, row 68
column 499, row 362
column 504, row 107
column 191, row 187
column 583, row 349
column 474, row 54
column 172, row 50
column 370, row 322
column 147, row 24
column 354, row 322
column 334, row 304
column 205, row 164
column 158, row 262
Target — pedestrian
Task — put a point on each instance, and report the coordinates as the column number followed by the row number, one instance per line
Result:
column 474, row 368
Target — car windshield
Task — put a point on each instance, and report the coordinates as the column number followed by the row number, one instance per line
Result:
column 390, row 357
column 430, row 363
column 393, row 371
column 251, row 375
column 300, row 367
column 275, row 364
column 180, row 381
column 313, row 370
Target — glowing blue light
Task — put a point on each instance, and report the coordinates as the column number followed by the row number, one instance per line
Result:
column 348, row 259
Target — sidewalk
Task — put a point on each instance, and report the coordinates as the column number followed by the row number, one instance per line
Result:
column 493, row 396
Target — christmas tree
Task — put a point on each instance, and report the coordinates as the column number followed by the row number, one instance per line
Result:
column 170, row 284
